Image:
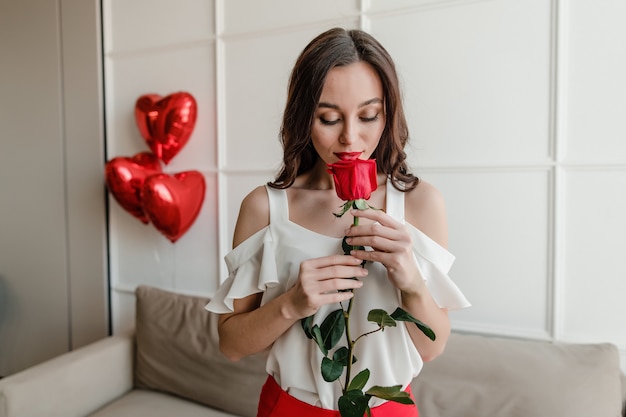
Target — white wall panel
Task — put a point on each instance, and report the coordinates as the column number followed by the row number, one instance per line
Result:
column 595, row 264
column 182, row 69
column 386, row 5
column 476, row 78
column 250, row 16
column 137, row 24
column 257, row 70
column 596, row 93
column 498, row 230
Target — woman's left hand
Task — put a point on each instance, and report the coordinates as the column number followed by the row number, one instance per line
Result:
column 392, row 246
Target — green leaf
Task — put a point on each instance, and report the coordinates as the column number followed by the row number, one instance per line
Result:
column 359, row 380
column 331, row 370
column 402, row 315
column 341, row 355
column 332, row 328
column 306, row 326
column 393, row 393
column 381, row 317
column 317, row 336
column 360, row 204
column 347, row 206
column 353, row 404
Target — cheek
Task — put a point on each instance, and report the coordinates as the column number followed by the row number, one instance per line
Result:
column 322, row 137
column 374, row 134
column 320, row 145
column 373, row 139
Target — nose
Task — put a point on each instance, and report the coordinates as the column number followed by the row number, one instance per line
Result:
column 348, row 134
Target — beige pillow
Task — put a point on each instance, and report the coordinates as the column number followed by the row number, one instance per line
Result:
column 178, row 353
column 485, row 376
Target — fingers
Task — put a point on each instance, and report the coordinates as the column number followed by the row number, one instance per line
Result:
column 339, row 284
column 331, row 268
column 377, row 216
column 331, row 261
column 381, row 224
column 380, row 237
column 326, row 280
column 331, row 274
column 390, row 240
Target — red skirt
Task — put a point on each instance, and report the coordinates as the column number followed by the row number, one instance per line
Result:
column 275, row 402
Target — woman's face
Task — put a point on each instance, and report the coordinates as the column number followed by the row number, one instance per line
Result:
column 350, row 115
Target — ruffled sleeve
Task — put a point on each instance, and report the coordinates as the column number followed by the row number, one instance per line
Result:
column 434, row 262
column 251, row 270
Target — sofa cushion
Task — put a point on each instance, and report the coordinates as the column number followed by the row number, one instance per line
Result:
column 144, row 403
column 488, row 376
column 178, row 353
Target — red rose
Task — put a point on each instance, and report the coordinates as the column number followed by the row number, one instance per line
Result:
column 354, row 179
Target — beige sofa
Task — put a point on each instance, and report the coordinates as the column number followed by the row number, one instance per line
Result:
column 171, row 366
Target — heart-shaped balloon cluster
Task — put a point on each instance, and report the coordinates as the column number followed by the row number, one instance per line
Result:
column 170, row 202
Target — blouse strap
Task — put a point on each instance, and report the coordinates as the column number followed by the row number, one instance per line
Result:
column 279, row 205
column 395, row 202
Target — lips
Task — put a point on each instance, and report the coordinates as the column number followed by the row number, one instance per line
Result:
column 348, row 156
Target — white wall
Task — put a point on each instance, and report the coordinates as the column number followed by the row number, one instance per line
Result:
column 515, row 109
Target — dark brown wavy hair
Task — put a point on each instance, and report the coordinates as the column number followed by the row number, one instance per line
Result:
column 333, row 48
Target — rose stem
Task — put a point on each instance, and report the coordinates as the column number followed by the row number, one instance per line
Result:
column 346, row 317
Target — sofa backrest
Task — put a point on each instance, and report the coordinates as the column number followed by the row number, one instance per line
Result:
column 514, row 378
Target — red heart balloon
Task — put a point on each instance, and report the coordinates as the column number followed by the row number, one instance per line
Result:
column 125, row 178
column 172, row 203
column 166, row 123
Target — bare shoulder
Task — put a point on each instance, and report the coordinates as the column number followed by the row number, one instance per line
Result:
column 425, row 209
column 254, row 215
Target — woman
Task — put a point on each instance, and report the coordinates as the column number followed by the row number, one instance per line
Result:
column 287, row 264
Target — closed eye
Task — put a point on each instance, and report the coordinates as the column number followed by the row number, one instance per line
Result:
column 329, row 122
column 370, row 119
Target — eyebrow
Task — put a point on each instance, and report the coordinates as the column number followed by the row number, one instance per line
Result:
column 326, row 105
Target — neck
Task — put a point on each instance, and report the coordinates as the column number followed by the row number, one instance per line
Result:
column 317, row 178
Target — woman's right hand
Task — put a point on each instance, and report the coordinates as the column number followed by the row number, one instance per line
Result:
column 323, row 281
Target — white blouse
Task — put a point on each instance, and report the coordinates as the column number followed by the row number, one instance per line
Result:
column 269, row 261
